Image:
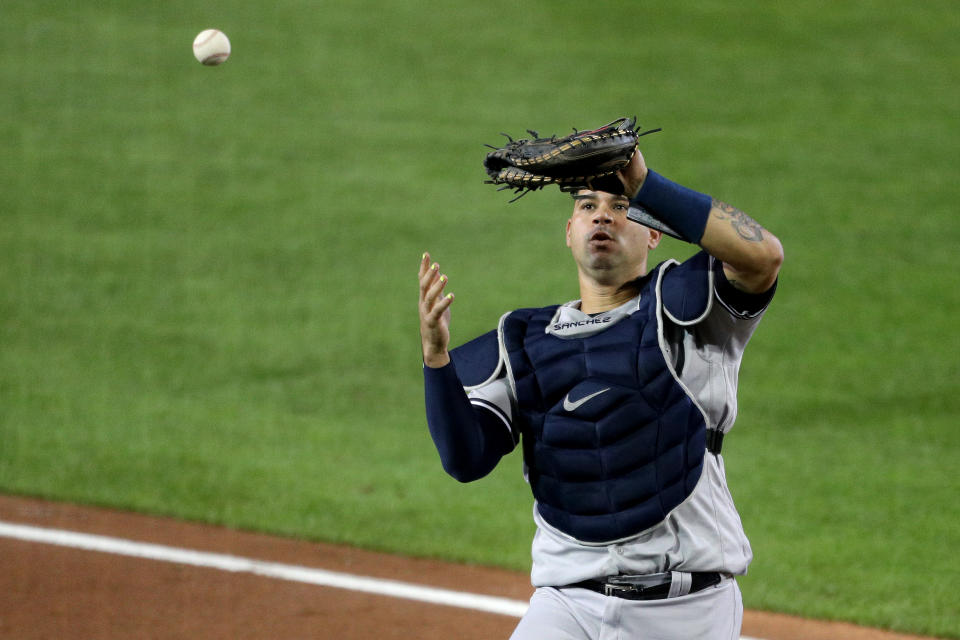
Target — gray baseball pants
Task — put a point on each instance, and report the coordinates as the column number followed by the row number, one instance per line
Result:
column 715, row 613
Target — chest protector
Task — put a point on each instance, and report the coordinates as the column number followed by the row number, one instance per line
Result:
column 612, row 443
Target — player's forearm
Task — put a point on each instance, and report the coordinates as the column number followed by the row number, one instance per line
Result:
column 751, row 255
column 469, row 448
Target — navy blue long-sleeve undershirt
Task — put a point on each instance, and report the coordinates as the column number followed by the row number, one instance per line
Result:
column 470, row 440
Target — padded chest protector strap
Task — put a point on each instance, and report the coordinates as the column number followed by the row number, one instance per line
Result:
column 478, row 361
column 687, row 290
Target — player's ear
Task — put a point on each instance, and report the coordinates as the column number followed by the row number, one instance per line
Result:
column 569, row 222
column 655, row 238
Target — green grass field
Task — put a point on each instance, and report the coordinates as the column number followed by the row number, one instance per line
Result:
column 207, row 275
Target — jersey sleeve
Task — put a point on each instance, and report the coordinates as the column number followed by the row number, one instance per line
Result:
column 739, row 303
column 706, row 355
column 482, row 373
column 496, row 397
column 472, row 433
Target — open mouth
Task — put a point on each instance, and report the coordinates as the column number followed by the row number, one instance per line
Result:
column 600, row 236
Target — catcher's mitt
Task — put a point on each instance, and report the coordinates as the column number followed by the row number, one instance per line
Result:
column 581, row 160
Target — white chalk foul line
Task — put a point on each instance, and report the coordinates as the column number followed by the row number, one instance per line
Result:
column 223, row 562
column 293, row 573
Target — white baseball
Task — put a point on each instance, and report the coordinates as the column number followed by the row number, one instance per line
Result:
column 211, row 47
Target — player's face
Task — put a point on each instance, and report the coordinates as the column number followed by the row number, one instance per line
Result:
column 605, row 244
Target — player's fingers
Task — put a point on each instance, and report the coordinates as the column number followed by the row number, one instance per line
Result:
column 435, row 290
column 428, row 278
column 424, row 264
column 442, row 307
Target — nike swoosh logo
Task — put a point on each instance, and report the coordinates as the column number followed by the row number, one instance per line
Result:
column 570, row 406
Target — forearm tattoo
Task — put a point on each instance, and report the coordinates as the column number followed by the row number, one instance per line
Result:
column 745, row 226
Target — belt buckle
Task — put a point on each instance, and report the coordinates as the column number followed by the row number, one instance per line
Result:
column 611, row 589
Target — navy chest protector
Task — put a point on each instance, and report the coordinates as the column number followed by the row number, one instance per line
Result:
column 612, row 443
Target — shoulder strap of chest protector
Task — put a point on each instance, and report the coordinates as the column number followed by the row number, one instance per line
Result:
column 687, row 289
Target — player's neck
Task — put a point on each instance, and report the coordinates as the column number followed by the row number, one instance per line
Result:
column 596, row 297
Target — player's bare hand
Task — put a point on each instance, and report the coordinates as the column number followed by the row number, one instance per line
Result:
column 434, row 313
column 633, row 175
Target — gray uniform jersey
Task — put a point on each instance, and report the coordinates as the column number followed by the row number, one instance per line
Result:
column 704, row 533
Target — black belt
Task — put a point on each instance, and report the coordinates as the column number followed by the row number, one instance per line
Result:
column 655, row 587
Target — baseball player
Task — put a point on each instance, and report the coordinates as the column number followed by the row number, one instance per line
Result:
column 620, row 401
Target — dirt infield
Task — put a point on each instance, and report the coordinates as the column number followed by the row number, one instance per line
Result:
column 58, row 592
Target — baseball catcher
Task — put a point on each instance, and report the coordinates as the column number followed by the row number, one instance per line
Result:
column 619, row 400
